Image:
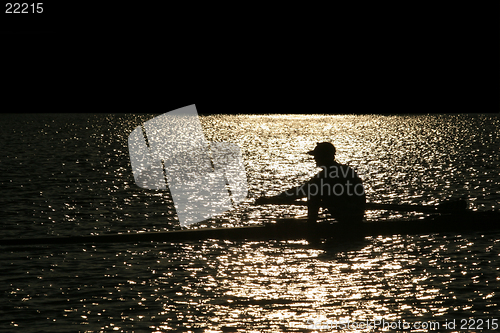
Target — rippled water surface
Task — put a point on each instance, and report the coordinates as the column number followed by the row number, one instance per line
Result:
column 69, row 174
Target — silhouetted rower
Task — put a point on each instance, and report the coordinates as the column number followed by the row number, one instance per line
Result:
column 336, row 187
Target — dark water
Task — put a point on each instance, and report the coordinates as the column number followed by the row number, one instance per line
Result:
column 69, row 174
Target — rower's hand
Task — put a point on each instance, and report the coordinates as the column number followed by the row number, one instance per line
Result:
column 274, row 200
column 262, row 201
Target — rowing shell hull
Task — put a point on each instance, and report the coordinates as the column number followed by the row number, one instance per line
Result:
column 293, row 229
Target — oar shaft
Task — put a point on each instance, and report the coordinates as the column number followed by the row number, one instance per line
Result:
column 368, row 206
column 401, row 208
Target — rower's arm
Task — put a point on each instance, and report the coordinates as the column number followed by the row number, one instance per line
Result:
column 290, row 195
column 295, row 193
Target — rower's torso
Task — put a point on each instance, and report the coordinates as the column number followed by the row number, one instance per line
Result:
column 338, row 186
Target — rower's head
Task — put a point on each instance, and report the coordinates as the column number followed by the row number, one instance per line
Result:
column 323, row 153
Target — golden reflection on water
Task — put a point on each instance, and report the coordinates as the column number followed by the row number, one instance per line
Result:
column 224, row 286
column 279, row 286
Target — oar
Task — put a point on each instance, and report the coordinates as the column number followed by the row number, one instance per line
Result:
column 401, row 208
column 445, row 207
